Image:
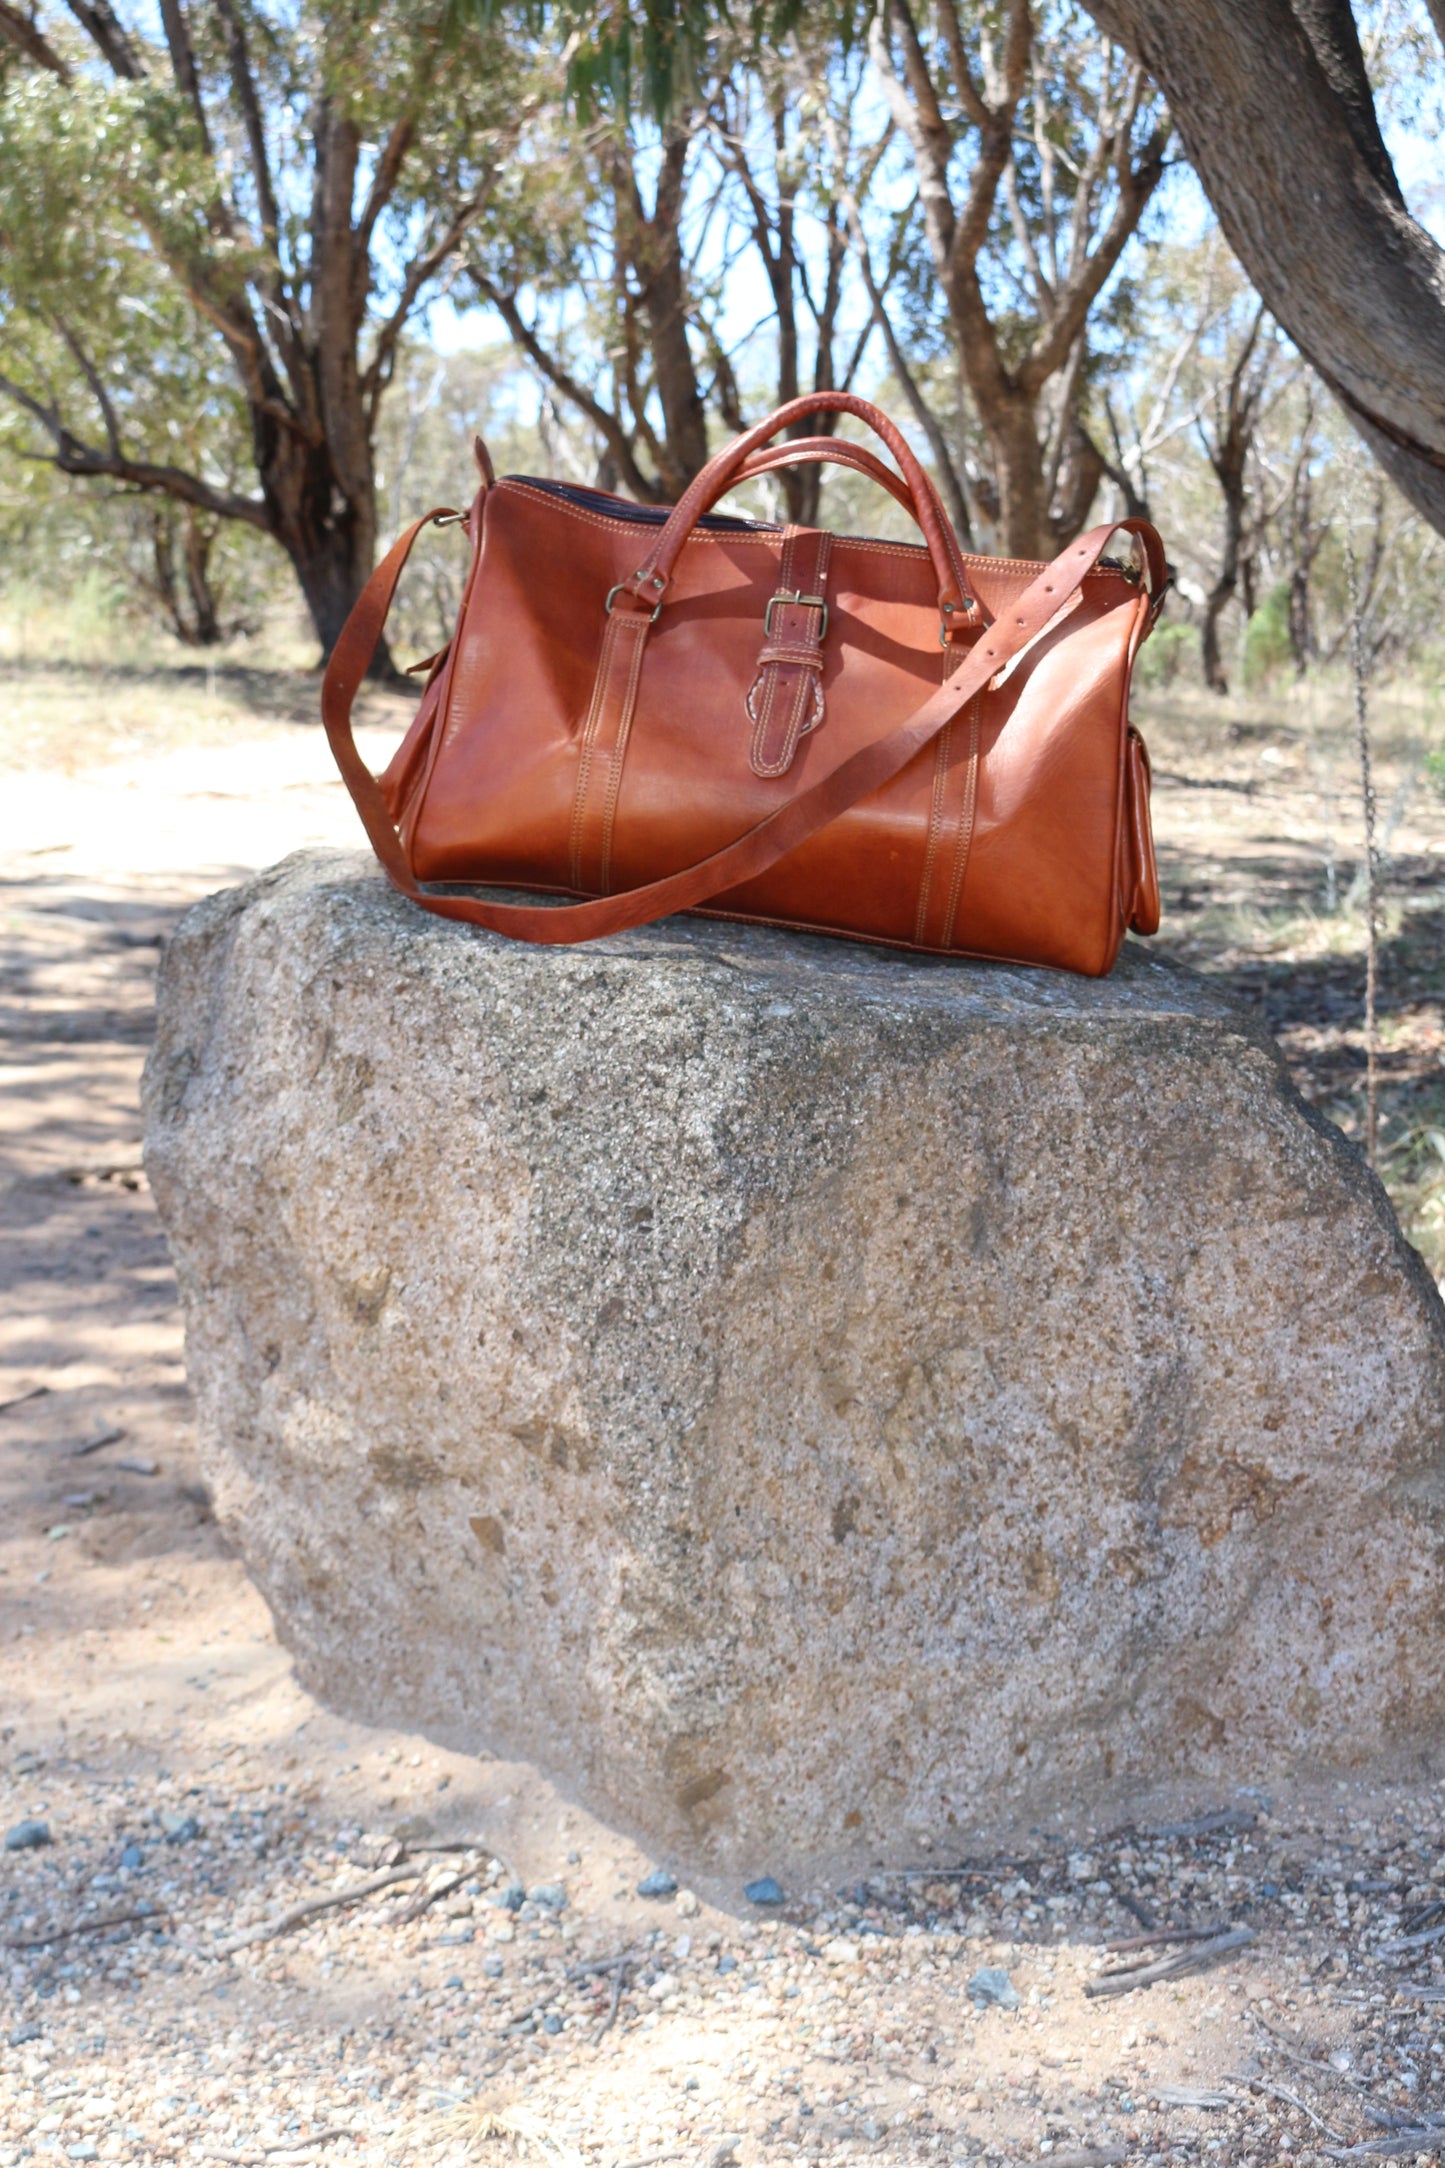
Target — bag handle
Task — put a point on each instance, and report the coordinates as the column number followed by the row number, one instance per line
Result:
column 832, row 451
column 854, row 778
column 958, row 607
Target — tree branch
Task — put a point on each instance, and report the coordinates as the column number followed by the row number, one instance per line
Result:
column 243, row 84
column 183, row 62
column 1360, row 285
column 1083, row 286
column 72, row 456
column 922, row 412
column 385, row 178
column 93, row 378
column 607, row 424
column 913, row 105
column 18, row 30
column 101, row 25
column 419, row 273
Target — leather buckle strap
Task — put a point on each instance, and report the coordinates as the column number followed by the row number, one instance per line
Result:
column 804, row 602
column 786, row 697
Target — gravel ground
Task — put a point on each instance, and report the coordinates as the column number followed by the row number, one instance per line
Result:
column 168, row 2003
column 506, row 1994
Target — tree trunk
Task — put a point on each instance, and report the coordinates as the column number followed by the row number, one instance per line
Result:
column 662, row 276
column 1276, row 113
column 205, row 616
column 1012, row 424
column 1301, row 631
column 1231, row 483
column 328, row 533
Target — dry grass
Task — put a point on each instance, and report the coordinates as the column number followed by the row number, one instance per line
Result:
column 1257, row 813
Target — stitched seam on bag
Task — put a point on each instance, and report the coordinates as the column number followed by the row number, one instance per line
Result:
column 964, row 845
column 935, row 824
column 952, row 657
column 617, row 754
column 600, row 686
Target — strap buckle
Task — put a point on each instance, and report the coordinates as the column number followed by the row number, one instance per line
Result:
column 617, row 591
column 787, row 595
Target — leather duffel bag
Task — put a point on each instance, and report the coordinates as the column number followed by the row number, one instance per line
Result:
column 665, row 711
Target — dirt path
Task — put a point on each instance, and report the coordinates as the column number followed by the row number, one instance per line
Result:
column 191, row 1793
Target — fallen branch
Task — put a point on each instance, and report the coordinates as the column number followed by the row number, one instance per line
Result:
column 270, row 2152
column 18, row 1400
column 82, row 1927
column 310, row 1906
column 592, row 1965
column 109, row 1436
column 1167, row 1934
column 1392, row 2148
column 1205, row 1825
column 1422, row 1941
column 1126, row 1979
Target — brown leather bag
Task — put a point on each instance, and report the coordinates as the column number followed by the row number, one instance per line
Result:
column 669, row 711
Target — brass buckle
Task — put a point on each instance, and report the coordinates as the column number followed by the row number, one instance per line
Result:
column 617, row 591
column 804, row 602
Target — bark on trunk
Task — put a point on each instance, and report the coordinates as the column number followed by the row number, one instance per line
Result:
column 1275, row 110
column 327, row 529
column 1012, row 425
column 1231, row 483
column 657, row 257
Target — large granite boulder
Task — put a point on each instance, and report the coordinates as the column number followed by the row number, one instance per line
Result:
column 801, row 1396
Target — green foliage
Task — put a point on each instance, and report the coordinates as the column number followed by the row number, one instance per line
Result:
column 654, row 58
column 1435, row 770
column 1171, row 652
column 1266, row 638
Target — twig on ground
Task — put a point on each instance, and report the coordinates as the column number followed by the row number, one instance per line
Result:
column 1166, row 1934
column 1193, row 1959
column 268, row 1930
column 424, row 1898
column 619, row 1975
column 1138, row 1910
column 269, row 2152
column 18, row 1400
column 83, row 1927
column 1291, row 2100
column 1422, row 1941
column 1205, row 1825
column 111, row 1435
column 1393, row 2147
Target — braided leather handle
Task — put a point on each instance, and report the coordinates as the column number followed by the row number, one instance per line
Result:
column 854, row 778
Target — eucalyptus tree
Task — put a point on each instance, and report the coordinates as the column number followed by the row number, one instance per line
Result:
column 300, row 179
column 619, row 257
column 1279, row 111
column 1036, row 146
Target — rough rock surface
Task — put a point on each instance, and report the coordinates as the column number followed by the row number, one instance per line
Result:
column 805, row 1398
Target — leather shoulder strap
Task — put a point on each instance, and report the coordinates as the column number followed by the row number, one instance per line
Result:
column 855, row 778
